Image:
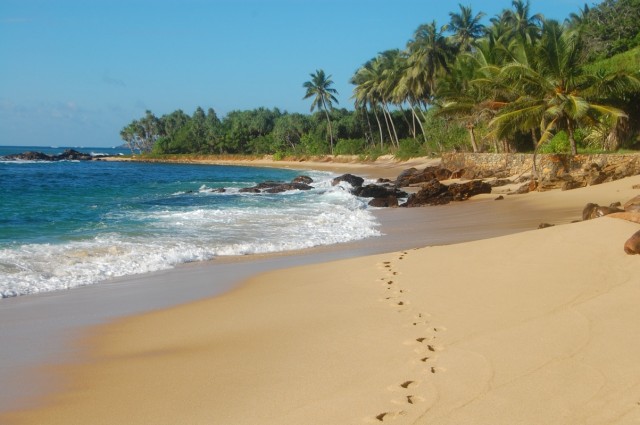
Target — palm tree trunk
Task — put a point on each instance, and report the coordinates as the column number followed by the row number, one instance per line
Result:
column 572, row 140
column 395, row 133
column 386, row 121
column 375, row 114
column 472, row 136
column 416, row 118
column 326, row 112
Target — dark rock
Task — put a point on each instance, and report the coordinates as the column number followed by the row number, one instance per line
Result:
column 615, row 205
column 389, row 201
column 635, row 186
column 463, row 191
column 632, row 245
column 499, row 198
column 592, row 211
column 302, row 179
column 571, row 184
column 275, row 187
column 431, row 193
column 378, row 191
column 500, row 182
column 633, row 204
column 249, row 190
column 30, row 156
column 435, row 193
column 527, row 187
column 354, row 181
column 381, row 180
column 414, row 176
column 545, row 225
column 73, row 155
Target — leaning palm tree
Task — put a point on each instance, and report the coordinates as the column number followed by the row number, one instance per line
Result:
column 319, row 87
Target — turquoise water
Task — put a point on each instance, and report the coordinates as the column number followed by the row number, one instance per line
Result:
column 67, row 224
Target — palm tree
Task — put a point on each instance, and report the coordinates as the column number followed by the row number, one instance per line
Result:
column 555, row 92
column 319, row 87
column 523, row 26
column 466, row 28
column 429, row 55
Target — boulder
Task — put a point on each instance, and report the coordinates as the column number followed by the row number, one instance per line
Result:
column 30, row 156
column 275, row 187
column 354, row 181
column 430, row 193
column 412, row 176
column 571, row 184
column 632, row 245
column 436, row 193
column 378, row 191
column 73, row 155
column 389, row 201
column 302, row 179
column 592, row 211
column 632, row 205
column 463, row 191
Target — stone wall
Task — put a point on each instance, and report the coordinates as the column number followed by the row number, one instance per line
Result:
column 579, row 170
column 551, row 165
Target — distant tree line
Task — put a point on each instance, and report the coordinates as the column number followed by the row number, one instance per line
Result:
column 522, row 83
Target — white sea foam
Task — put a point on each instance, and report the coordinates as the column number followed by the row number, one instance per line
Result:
column 294, row 220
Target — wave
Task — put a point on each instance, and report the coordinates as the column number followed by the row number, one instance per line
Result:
column 171, row 235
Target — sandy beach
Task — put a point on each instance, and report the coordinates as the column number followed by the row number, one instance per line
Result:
column 498, row 326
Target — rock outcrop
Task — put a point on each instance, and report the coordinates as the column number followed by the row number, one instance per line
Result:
column 354, row 181
column 67, row 155
column 632, row 245
column 436, row 193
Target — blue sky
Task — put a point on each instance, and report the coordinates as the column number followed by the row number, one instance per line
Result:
column 74, row 72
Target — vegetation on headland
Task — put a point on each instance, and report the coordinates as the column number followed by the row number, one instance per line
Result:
column 521, row 83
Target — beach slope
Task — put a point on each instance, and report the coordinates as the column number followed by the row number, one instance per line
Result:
column 531, row 328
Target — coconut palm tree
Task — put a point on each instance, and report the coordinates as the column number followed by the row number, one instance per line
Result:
column 430, row 54
column 319, row 87
column 555, row 91
column 523, row 26
column 466, row 28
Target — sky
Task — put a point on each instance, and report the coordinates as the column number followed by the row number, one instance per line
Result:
column 75, row 72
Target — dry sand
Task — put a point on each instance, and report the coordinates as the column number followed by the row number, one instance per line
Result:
column 540, row 327
column 385, row 166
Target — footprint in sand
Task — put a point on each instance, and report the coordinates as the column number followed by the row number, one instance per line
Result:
column 434, row 369
column 389, row 416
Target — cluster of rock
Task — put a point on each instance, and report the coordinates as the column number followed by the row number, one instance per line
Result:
column 386, row 193
column 299, row 183
column 67, row 155
column 629, row 211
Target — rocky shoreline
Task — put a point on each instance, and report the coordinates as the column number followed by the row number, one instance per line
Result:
column 67, row 155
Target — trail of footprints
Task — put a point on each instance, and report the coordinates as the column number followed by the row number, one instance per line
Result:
column 424, row 347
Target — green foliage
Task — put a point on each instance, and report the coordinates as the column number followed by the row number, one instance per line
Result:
column 349, row 147
column 410, row 148
column 623, row 62
column 558, row 144
column 611, row 27
column 521, row 79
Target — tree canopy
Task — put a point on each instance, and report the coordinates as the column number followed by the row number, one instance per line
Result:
column 513, row 82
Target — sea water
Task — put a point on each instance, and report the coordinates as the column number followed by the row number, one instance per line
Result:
column 72, row 223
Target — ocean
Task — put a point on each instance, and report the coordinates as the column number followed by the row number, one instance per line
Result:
column 72, row 223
